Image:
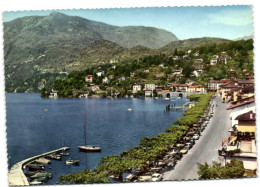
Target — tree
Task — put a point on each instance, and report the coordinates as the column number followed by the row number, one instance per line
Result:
column 233, row 169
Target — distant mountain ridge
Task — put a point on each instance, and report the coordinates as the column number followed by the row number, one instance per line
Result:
column 193, row 42
column 39, row 47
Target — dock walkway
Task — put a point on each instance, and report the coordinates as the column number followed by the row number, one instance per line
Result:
column 16, row 176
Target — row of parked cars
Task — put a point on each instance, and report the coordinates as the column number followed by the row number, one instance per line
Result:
column 178, row 150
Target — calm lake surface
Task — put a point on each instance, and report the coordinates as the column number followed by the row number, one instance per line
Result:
column 31, row 130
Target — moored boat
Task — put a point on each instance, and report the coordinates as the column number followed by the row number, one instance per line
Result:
column 54, row 156
column 91, row 148
column 35, row 167
column 39, row 175
column 72, row 162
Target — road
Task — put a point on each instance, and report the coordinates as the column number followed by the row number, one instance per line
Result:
column 206, row 148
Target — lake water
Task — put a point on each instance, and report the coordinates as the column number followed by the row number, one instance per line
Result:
column 31, row 130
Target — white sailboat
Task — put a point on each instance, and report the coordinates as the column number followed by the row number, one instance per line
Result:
column 86, row 147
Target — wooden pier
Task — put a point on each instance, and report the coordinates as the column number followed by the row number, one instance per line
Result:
column 185, row 106
column 16, row 176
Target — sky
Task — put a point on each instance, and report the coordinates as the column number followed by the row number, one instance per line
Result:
column 229, row 22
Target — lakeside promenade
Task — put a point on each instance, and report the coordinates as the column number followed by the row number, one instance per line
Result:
column 206, row 148
column 16, row 175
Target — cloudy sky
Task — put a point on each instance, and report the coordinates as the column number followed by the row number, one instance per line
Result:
column 228, row 22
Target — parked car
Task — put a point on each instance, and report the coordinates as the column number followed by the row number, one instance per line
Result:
column 196, row 136
column 202, row 128
column 189, row 145
column 184, row 150
column 156, row 177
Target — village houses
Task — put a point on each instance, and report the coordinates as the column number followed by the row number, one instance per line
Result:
column 136, row 88
column 149, row 86
column 100, row 73
column 89, row 78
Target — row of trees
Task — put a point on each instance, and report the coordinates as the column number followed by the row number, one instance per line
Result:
column 149, row 151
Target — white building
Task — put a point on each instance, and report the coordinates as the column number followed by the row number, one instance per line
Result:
column 149, row 86
column 106, row 80
column 136, row 88
column 213, row 61
column 100, row 73
column 214, row 85
column 240, row 107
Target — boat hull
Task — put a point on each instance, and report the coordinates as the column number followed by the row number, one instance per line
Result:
column 89, row 148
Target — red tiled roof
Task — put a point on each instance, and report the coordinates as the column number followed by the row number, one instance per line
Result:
column 249, row 116
column 173, row 84
column 230, row 86
column 182, row 85
column 89, row 76
column 241, row 104
column 245, row 82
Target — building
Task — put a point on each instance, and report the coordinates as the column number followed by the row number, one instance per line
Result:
column 246, row 122
column 198, row 72
column 100, row 73
column 240, row 107
column 106, row 80
column 196, row 89
column 149, row 86
column 242, row 142
column 132, row 74
column 189, row 82
column 213, row 85
column 225, row 89
column 245, row 83
column 122, row 78
column 136, row 88
column 148, row 93
column 89, row 78
column 182, row 88
column 213, row 61
column 53, row 94
column 177, row 71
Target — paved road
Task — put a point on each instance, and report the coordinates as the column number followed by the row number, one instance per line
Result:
column 206, row 148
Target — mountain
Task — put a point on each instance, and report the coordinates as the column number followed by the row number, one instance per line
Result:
column 244, row 38
column 193, row 42
column 38, row 45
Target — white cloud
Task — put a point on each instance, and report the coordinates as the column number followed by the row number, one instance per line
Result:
column 232, row 17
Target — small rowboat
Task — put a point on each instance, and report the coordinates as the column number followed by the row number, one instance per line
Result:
column 72, row 162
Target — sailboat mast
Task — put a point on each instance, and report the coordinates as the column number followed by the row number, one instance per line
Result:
column 85, row 129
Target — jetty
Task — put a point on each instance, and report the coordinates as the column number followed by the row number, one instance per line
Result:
column 16, row 176
column 185, row 106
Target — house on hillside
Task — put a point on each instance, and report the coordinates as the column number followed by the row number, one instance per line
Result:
column 122, row 78
column 89, row 78
column 100, row 73
column 189, row 82
column 106, row 80
column 53, row 94
column 213, row 61
column 225, row 89
column 149, row 86
column 213, row 85
column 136, row 88
column 182, row 88
column 132, row 74
column 245, row 83
column 177, row 72
column 197, row 53
column 196, row 89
